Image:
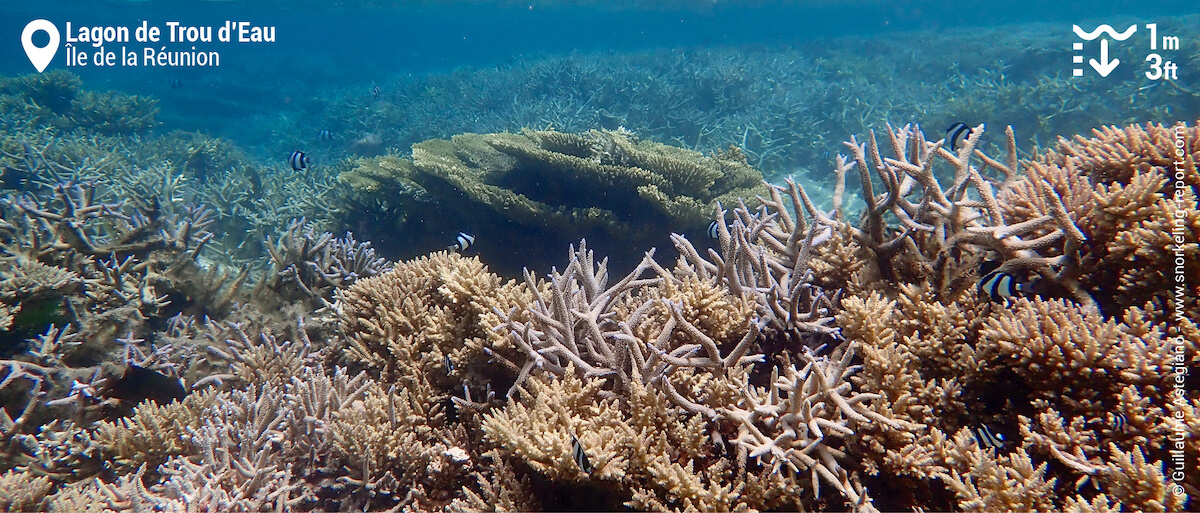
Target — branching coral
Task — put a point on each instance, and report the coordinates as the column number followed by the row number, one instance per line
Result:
column 418, row 318
column 1084, row 381
column 806, row 361
column 656, row 335
column 317, row 264
column 1129, row 191
column 56, row 98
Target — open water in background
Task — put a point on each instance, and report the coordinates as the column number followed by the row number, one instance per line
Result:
column 346, row 44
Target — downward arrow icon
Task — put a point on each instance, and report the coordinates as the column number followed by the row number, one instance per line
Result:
column 1104, row 66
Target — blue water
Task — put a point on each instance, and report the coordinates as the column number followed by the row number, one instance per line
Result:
column 356, row 41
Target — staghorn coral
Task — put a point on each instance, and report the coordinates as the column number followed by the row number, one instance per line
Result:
column 1083, row 387
column 317, row 265
column 1128, row 190
column 22, row 491
column 656, row 452
column 877, row 366
column 111, row 267
column 57, row 99
column 655, row 337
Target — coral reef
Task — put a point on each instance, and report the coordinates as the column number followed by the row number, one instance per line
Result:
column 807, row 360
column 56, row 99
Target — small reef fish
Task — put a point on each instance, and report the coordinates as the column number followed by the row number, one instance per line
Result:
column 957, row 132
column 1119, row 420
column 462, row 242
column 1114, row 421
column 986, row 438
column 325, row 135
column 579, row 456
column 175, row 83
column 298, row 160
column 1001, row 286
column 139, row 384
column 375, row 91
column 713, row 230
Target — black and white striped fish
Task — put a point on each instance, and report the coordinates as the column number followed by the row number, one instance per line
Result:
column 714, row 230
column 376, row 91
column 986, row 439
column 298, row 160
column 1118, row 422
column 462, row 242
column 579, row 456
column 325, row 135
column 1001, row 286
column 1114, row 421
column 957, row 132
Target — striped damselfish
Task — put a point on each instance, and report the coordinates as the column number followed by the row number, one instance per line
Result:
column 956, row 132
column 462, row 242
column 986, row 438
column 298, row 160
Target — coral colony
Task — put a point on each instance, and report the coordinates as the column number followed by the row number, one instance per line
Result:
column 184, row 330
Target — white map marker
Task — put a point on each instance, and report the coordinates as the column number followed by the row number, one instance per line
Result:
column 40, row 57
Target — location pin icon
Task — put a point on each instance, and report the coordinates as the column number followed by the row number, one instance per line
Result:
column 40, row 57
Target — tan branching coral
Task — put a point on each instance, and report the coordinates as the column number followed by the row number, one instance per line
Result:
column 660, row 453
column 574, row 323
column 804, row 360
column 1128, row 190
column 22, row 491
column 682, row 338
column 791, row 421
column 397, row 444
column 421, row 314
column 1011, row 482
column 1087, row 371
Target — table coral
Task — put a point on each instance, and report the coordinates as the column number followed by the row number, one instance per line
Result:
column 542, row 186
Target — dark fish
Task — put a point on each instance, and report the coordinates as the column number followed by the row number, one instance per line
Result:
column 139, row 384
column 449, row 364
column 298, row 160
column 175, row 83
column 714, row 231
column 376, row 91
column 986, row 438
column 956, row 132
column 1001, row 286
column 462, row 242
column 608, row 121
column 325, row 135
column 579, row 456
